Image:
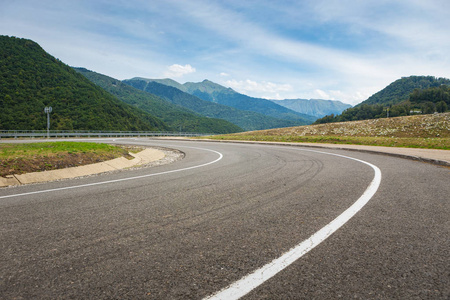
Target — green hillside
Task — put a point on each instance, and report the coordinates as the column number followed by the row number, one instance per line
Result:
column 406, row 96
column 247, row 120
column 178, row 118
column 401, row 89
column 31, row 79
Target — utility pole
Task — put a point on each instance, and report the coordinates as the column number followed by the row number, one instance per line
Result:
column 48, row 110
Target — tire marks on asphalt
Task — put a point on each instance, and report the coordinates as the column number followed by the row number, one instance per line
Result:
column 246, row 284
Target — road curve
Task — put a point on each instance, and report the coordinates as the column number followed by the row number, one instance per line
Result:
column 191, row 228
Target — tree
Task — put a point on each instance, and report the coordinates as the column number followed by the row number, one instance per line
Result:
column 428, row 108
column 441, row 107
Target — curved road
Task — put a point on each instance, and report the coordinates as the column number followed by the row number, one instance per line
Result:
column 190, row 229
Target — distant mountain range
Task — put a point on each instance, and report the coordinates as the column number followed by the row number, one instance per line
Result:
column 314, row 107
column 308, row 110
column 213, row 92
column 246, row 119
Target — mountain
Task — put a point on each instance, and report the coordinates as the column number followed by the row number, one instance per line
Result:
column 216, row 93
column 400, row 90
column 314, row 107
column 165, row 81
column 210, row 91
column 178, row 118
column 247, row 120
column 31, row 79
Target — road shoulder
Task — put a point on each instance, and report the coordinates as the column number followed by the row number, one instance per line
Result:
column 434, row 156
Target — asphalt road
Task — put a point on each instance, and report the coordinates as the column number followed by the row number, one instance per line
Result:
column 191, row 228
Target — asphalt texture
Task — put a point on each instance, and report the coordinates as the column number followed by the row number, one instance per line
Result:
column 188, row 229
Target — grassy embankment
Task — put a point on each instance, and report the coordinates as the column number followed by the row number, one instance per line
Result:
column 34, row 157
column 419, row 131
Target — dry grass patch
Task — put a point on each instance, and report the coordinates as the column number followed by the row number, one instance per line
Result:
column 420, row 131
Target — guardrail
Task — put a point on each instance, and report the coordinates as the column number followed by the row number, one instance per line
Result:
column 91, row 133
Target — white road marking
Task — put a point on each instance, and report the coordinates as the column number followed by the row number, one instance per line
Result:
column 119, row 180
column 246, row 284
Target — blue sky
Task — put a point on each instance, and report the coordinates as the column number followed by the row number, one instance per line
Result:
column 343, row 49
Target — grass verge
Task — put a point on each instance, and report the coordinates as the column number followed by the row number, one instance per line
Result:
column 35, row 157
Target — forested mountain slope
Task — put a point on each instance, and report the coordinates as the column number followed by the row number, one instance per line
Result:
column 400, row 90
column 406, row 96
column 178, row 118
column 31, row 79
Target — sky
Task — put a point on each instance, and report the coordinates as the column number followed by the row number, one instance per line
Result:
column 343, row 50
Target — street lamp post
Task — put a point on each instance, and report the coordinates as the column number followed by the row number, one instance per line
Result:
column 48, row 110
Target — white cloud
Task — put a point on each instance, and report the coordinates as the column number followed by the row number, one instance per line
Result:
column 263, row 89
column 322, row 94
column 352, row 97
column 179, row 70
column 224, row 74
